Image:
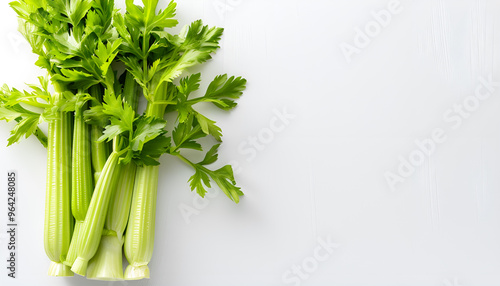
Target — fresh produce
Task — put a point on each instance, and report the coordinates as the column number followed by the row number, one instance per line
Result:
column 103, row 153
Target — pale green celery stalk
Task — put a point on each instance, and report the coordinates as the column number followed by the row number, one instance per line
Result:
column 107, row 262
column 58, row 220
column 139, row 238
column 100, row 150
column 98, row 156
column 131, row 91
column 91, row 229
column 82, row 184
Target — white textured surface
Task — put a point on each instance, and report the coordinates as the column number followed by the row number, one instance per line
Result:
column 322, row 174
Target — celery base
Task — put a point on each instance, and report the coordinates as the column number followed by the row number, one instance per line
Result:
column 59, row 269
column 107, row 263
column 137, row 272
column 80, row 266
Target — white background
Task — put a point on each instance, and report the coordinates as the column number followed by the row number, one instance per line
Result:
column 322, row 174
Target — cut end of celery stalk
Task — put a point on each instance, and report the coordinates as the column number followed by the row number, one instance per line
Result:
column 107, row 263
column 137, row 272
column 80, row 266
column 59, row 269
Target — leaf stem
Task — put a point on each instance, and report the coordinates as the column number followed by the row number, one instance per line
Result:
column 185, row 160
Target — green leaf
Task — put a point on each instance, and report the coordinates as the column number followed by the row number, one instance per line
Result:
column 211, row 155
column 188, row 59
column 135, row 69
column 121, row 116
column 221, row 87
column 26, row 127
column 134, row 14
column 121, row 112
column 222, row 92
column 191, row 144
column 198, row 181
column 148, row 128
column 199, row 37
column 183, row 109
column 8, row 114
column 73, row 102
column 152, row 150
column 164, row 18
column 21, row 8
column 77, row 10
column 152, row 70
column 38, row 97
column 103, row 11
column 66, row 44
column 208, row 126
column 185, row 134
column 76, row 79
column 146, row 18
column 189, row 84
column 96, row 116
column 111, row 131
column 105, row 55
column 224, row 178
column 196, row 43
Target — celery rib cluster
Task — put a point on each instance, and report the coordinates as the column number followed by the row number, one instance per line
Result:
column 103, row 154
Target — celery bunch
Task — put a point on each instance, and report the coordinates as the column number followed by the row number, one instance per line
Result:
column 103, row 154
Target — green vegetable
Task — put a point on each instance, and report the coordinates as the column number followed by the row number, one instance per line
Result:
column 82, row 183
column 100, row 201
column 58, row 221
column 222, row 92
column 73, row 40
column 99, row 150
column 89, row 236
column 156, row 59
column 139, row 239
column 107, row 262
column 138, row 139
column 27, row 120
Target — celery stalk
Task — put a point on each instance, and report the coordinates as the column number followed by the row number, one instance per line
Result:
column 100, row 150
column 58, row 221
column 91, row 229
column 82, row 184
column 107, row 263
column 139, row 239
